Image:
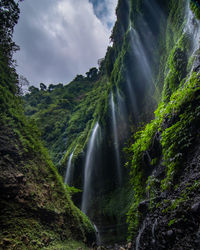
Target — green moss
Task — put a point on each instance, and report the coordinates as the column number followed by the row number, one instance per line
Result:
column 195, row 7
column 175, row 140
column 41, row 205
column 68, row 245
column 172, row 222
column 65, row 129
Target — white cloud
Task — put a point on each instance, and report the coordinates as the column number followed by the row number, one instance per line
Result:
column 59, row 39
column 106, row 10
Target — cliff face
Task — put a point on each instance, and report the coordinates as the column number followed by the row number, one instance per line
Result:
column 162, row 153
column 145, row 100
column 36, row 208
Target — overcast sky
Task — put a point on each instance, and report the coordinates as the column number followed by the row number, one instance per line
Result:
column 62, row 38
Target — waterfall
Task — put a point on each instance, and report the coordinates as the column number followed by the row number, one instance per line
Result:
column 116, row 139
column 97, row 235
column 148, row 156
column 153, row 231
column 137, row 245
column 131, row 95
column 89, row 167
column 69, row 173
column 123, row 120
column 192, row 27
column 140, row 54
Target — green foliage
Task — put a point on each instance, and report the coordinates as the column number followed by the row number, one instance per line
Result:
column 73, row 190
column 9, row 15
column 67, row 245
column 195, row 7
column 42, row 191
column 34, row 162
column 92, row 74
column 43, row 87
column 121, row 25
column 110, row 59
column 176, row 139
column 62, row 113
column 66, row 114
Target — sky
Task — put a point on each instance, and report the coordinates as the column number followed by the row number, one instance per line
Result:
column 59, row 39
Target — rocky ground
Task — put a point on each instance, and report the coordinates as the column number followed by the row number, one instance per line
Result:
column 122, row 246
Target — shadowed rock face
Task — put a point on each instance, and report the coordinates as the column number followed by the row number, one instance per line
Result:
column 170, row 220
column 35, row 209
column 177, row 228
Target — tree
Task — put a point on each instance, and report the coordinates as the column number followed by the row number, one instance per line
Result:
column 33, row 89
column 23, row 85
column 79, row 78
column 109, row 60
column 43, row 87
column 9, row 15
column 92, row 74
column 51, row 87
column 55, row 86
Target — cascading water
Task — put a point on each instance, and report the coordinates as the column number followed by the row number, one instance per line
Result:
column 122, row 121
column 139, row 77
column 192, row 27
column 89, row 167
column 137, row 245
column 116, row 139
column 97, row 235
column 69, row 172
column 140, row 54
column 153, row 231
column 131, row 95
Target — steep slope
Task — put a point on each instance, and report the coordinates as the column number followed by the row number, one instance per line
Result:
column 164, row 155
column 36, row 208
column 153, row 64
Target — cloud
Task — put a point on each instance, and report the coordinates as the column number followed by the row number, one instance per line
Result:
column 59, row 39
column 105, row 10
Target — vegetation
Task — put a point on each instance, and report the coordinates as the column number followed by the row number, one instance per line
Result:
column 176, row 139
column 195, row 7
column 176, row 129
column 66, row 114
column 36, row 209
column 36, row 206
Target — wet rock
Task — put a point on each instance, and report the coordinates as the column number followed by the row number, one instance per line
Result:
column 129, row 245
column 94, row 245
column 143, row 206
column 179, row 231
column 100, row 248
column 170, row 233
column 195, row 207
column 164, row 195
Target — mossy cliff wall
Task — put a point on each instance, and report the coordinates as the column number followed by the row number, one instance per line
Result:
column 158, row 156
column 36, row 208
column 152, row 66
